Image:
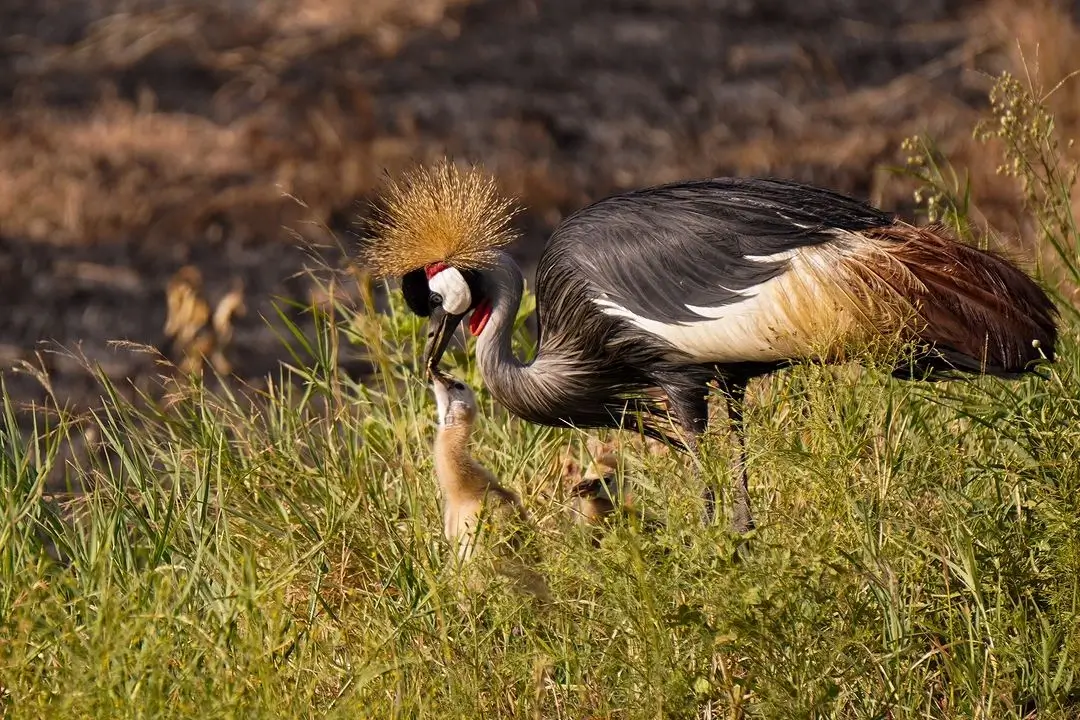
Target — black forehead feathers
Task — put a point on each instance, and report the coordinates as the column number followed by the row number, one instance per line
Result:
column 415, row 289
column 414, row 286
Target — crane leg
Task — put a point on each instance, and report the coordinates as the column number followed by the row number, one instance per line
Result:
column 695, row 429
column 690, row 406
column 742, row 521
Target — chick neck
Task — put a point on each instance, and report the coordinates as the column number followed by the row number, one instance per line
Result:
column 460, row 476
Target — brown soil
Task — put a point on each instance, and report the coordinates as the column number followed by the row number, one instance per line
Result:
column 140, row 136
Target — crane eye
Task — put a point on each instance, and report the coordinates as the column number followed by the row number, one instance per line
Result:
column 435, row 299
column 458, row 386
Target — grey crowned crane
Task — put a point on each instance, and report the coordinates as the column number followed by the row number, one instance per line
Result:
column 645, row 297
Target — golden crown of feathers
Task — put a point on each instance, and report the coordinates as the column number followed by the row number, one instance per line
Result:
column 440, row 213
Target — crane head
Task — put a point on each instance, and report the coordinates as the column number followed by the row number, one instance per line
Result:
column 435, row 227
column 445, row 295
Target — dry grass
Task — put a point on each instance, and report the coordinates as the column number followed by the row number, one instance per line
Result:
column 267, row 121
column 283, row 110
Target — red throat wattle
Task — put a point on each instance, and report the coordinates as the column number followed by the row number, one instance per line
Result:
column 478, row 320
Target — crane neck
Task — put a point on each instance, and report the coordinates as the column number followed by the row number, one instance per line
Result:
column 505, row 286
column 542, row 390
column 513, row 383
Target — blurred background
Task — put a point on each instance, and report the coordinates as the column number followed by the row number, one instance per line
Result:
column 140, row 139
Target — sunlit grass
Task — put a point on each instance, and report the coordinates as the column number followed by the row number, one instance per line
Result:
column 279, row 554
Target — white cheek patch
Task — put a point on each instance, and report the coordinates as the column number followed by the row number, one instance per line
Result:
column 450, row 283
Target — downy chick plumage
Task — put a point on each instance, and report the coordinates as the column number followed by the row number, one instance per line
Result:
column 604, row 492
column 477, row 509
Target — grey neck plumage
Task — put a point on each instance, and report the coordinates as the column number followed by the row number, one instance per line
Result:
column 562, row 385
column 504, row 285
column 524, row 388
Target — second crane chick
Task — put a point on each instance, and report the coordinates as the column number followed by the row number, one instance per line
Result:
column 476, row 508
column 603, row 493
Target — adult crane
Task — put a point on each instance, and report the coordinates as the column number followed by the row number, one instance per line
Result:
column 645, row 297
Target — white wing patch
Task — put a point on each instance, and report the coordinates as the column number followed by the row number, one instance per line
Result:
column 722, row 310
column 775, row 257
column 801, row 226
column 759, row 326
column 730, row 333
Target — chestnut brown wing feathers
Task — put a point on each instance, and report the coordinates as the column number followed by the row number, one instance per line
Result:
column 978, row 311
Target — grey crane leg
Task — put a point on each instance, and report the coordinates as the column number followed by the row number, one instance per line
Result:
column 691, row 408
column 708, row 500
column 708, row 494
column 695, row 424
column 742, row 521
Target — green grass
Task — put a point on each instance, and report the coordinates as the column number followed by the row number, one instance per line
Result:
column 279, row 554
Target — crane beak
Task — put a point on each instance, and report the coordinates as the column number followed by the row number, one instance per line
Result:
column 441, row 327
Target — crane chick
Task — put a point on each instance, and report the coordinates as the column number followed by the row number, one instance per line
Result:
column 602, row 493
column 475, row 506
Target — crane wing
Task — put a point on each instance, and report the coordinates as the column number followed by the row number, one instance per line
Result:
column 672, row 253
column 746, row 270
column 652, row 290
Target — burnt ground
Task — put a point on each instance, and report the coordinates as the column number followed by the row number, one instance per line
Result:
column 139, row 136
